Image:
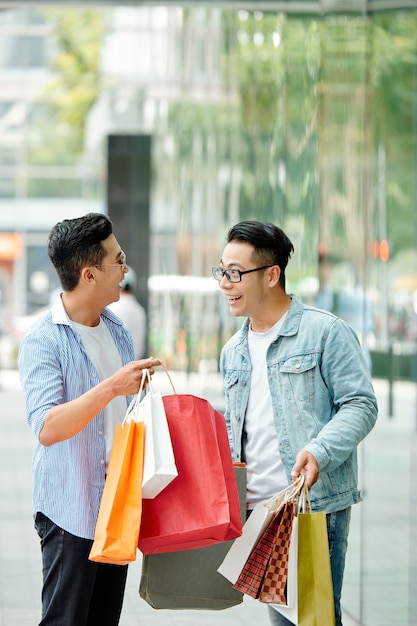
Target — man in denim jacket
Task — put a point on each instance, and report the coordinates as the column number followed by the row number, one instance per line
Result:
column 299, row 396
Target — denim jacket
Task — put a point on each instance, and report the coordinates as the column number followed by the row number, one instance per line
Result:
column 322, row 397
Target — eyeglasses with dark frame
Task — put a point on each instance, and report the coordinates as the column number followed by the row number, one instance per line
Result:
column 234, row 275
column 120, row 263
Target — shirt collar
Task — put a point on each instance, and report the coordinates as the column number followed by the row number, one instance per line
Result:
column 60, row 316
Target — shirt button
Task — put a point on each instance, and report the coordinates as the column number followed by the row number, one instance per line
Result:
column 297, row 365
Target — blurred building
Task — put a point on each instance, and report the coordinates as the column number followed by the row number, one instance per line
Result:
column 258, row 114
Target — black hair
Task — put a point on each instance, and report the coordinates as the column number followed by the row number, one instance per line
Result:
column 73, row 244
column 271, row 244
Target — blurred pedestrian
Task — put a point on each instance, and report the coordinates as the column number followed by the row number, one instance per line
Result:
column 299, row 395
column 131, row 312
column 78, row 372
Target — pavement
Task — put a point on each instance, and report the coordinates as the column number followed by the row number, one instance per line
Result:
column 377, row 588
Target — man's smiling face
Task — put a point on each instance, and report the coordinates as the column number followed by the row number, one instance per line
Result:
column 247, row 297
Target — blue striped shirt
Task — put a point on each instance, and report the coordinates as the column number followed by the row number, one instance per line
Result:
column 68, row 477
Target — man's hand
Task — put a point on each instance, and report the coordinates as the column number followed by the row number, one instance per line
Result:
column 126, row 381
column 307, row 466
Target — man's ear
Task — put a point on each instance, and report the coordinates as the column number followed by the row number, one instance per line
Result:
column 87, row 275
column 274, row 275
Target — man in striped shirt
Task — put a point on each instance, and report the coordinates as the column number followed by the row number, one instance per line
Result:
column 77, row 371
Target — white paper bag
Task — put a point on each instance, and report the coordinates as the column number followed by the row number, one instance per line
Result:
column 241, row 548
column 159, row 468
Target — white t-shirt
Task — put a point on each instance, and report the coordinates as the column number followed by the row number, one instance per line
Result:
column 265, row 472
column 100, row 347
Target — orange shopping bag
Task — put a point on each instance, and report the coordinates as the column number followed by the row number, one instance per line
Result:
column 119, row 518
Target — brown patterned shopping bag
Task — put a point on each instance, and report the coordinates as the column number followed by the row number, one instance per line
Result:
column 273, row 589
column 251, row 577
column 254, row 528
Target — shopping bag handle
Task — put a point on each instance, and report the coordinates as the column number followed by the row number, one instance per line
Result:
column 146, row 377
column 137, row 397
column 289, row 494
column 169, row 377
column 135, row 401
column 304, row 505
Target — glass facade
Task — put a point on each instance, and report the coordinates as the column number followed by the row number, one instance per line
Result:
column 305, row 118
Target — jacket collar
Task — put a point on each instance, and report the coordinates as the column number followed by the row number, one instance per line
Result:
column 291, row 323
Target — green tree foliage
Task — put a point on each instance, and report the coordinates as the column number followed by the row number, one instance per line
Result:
column 76, row 84
column 394, row 118
column 318, row 98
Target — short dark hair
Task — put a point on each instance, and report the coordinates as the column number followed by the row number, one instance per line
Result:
column 74, row 243
column 271, row 244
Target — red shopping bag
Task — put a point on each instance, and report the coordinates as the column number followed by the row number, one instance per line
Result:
column 201, row 506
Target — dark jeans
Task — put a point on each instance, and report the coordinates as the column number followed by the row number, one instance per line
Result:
column 76, row 591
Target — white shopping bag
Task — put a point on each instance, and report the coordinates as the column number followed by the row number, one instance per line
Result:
column 241, row 548
column 159, row 468
column 253, row 529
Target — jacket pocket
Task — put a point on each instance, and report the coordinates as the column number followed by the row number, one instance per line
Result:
column 298, row 381
column 298, row 364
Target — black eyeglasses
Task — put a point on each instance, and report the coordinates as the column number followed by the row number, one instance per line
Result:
column 233, row 275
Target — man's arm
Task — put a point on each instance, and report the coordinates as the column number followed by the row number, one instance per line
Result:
column 347, row 378
column 65, row 420
column 52, row 413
